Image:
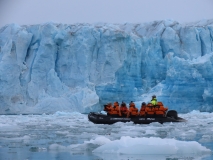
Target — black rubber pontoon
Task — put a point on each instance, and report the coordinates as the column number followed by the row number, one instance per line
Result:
column 99, row 118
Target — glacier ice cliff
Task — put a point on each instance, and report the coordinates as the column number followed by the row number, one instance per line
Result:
column 58, row 67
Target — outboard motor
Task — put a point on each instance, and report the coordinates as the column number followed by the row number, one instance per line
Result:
column 172, row 114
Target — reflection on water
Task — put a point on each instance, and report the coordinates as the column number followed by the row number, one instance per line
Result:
column 60, row 136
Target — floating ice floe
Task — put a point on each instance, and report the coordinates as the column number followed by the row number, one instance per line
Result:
column 152, row 146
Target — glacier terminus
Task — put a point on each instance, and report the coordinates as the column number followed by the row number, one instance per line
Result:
column 53, row 67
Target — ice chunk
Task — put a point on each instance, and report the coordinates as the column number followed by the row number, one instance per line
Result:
column 99, row 140
column 128, row 145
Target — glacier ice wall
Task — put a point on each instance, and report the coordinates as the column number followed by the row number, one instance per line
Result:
column 58, row 67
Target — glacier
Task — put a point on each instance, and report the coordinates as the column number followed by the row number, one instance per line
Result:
column 53, row 67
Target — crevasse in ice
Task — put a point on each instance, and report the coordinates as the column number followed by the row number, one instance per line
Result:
column 58, row 67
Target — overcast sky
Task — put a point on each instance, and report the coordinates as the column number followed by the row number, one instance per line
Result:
column 110, row 11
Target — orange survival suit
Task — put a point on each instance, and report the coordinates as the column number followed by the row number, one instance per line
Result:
column 160, row 110
column 142, row 111
column 115, row 110
column 108, row 108
column 150, row 110
column 133, row 111
column 124, row 110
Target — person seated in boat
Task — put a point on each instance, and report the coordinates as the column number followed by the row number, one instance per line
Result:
column 154, row 100
column 160, row 110
column 123, row 109
column 108, row 108
column 150, row 110
column 115, row 110
column 133, row 111
column 142, row 111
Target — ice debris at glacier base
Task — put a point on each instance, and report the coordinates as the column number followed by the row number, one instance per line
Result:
column 150, row 146
column 58, row 67
column 72, row 133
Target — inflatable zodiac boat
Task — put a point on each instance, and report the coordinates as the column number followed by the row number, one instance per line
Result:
column 99, row 118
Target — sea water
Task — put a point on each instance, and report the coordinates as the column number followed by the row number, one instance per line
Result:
column 62, row 136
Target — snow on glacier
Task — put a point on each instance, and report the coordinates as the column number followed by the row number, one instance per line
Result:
column 79, row 67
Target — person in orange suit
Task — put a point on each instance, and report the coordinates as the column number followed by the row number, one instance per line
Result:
column 133, row 111
column 123, row 109
column 115, row 110
column 150, row 110
column 142, row 111
column 160, row 110
column 108, row 108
